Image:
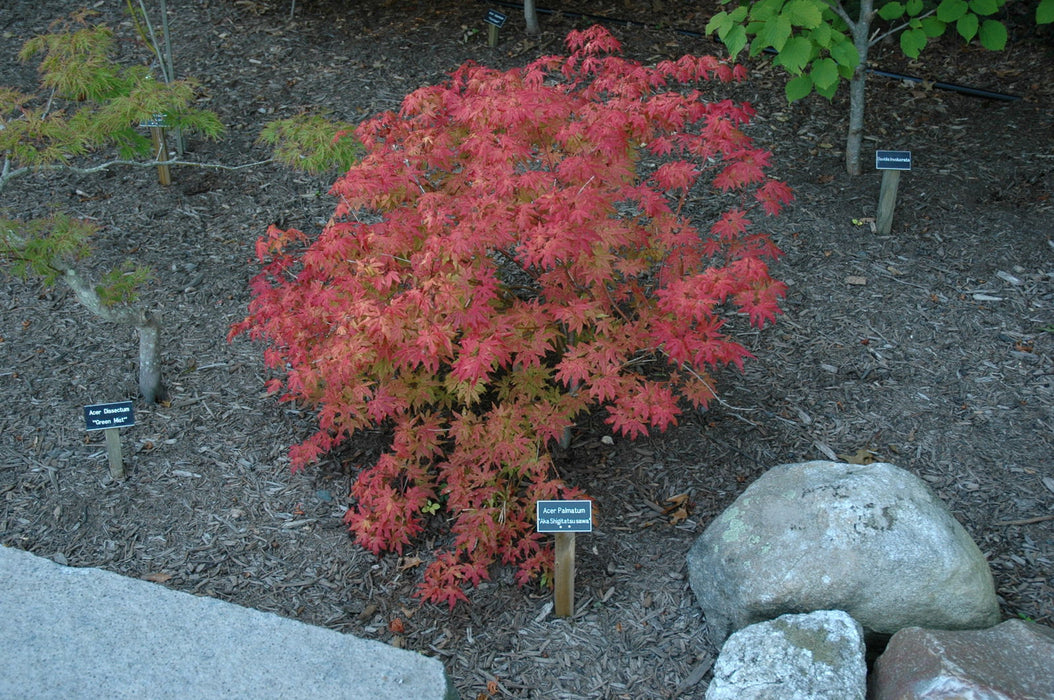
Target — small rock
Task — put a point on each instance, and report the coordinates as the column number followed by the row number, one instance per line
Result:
column 815, row 656
column 1011, row 660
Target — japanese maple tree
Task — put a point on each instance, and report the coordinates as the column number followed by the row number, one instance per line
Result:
column 515, row 249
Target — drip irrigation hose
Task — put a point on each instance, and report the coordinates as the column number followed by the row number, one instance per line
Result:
column 973, row 92
column 963, row 89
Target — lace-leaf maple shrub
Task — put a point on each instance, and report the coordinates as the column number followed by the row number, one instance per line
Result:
column 514, row 250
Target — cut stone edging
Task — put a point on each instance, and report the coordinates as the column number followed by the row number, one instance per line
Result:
column 88, row 633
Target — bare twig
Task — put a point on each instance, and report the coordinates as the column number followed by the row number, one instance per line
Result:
column 900, row 28
column 1026, row 521
column 7, row 174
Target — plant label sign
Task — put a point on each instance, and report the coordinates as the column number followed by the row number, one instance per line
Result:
column 105, row 416
column 111, row 417
column 892, row 160
column 890, row 163
column 565, row 516
column 496, row 18
column 156, row 121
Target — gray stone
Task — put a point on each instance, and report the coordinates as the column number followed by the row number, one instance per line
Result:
column 1011, row 661
column 76, row 633
column 872, row 540
column 814, row 656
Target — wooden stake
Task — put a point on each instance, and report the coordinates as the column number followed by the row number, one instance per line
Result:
column 113, row 450
column 564, row 574
column 887, row 201
column 157, row 135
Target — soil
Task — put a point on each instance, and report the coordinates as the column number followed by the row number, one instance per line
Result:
column 930, row 347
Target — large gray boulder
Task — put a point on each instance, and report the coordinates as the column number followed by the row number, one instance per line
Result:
column 815, row 656
column 871, row 540
column 1012, row 660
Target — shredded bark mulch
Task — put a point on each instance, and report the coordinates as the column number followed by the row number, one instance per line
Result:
column 930, row 348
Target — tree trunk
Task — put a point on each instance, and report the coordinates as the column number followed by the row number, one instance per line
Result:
column 857, row 97
column 857, row 88
column 150, row 385
column 530, row 13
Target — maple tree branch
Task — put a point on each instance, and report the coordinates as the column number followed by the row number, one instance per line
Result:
column 709, row 385
column 154, row 163
column 7, row 174
column 901, row 27
column 47, row 107
column 839, row 10
column 509, row 257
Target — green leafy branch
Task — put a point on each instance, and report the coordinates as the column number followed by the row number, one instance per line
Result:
column 88, row 102
column 313, row 143
column 43, row 248
column 820, row 43
column 91, row 101
column 813, row 39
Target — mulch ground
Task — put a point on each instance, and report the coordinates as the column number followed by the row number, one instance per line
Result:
column 930, row 348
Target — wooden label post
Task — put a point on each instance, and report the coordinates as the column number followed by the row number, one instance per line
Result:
column 495, row 20
column 111, row 417
column 157, row 137
column 890, row 163
column 564, row 575
column 564, row 519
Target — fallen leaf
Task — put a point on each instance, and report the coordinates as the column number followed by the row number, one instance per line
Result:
column 409, row 563
column 157, row 578
column 678, row 516
column 862, row 456
column 678, row 500
column 397, row 626
column 679, row 509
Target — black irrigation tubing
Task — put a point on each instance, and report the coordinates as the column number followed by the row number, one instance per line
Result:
column 973, row 92
column 965, row 90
